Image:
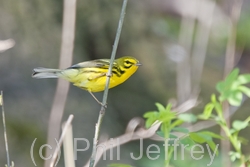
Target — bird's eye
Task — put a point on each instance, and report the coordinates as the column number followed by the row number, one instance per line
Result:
column 127, row 64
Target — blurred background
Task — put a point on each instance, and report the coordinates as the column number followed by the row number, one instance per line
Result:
column 181, row 44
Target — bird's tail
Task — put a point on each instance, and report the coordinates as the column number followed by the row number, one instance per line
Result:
column 46, row 73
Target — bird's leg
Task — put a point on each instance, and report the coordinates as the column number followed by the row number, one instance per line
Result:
column 105, row 105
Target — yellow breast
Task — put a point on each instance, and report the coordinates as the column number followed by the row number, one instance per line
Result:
column 94, row 79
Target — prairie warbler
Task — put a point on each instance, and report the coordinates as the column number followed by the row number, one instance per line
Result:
column 91, row 75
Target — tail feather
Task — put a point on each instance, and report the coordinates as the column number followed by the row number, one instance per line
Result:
column 45, row 73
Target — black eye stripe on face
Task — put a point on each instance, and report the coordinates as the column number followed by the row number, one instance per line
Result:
column 127, row 64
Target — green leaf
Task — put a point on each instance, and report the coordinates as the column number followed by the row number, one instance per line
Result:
column 160, row 107
column 232, row 76
column 173, row 139
column 226, row 94
column 119, row 165
column 220, row 86
column 176, row 123
column 218, row 108
column 168, row 108
column 160, row 133
column 197, row 137
column 171, row 136
column 212, row 145
column 187, row 117
column 213, row 135
column 151, row 114
column 208, row 110
column 234, row 155
column 244, row 78
column 163, row 128
column 248, row 119
column 213, row 98
column 187, row 141
column 202, row 116
column 181, row 129
column 243, row 140
column 227, row 87
column 163, row 115
column 238, row 144
column 234, row 85
column 229, row 82
column 239, row 125
column 232, row 131
column 149, row 122
column 167, row 116
column 245, row 90
column 235, row 98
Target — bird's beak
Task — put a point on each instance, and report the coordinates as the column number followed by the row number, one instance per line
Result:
column 138, row 64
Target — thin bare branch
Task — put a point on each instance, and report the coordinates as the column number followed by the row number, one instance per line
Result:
column 205, row 14
column 64, row 132
column 4, row 130
column 105, row 95
column 6, row 44
column 229, row 65
column 68, row 35
column 68, row 147
column 135, row 131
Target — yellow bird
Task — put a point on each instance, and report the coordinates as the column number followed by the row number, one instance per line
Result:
column 91, row 75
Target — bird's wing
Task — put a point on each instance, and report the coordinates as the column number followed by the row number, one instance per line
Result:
column 102, row 63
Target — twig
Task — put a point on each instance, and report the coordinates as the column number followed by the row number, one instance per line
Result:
column 68, row 147
column 187, row 105
column 4, row 129
column 183, row 69
column 6, row 44
column 57, row 150
column 135, row 131
column 62, row 86
column 229, row 64
column 105, row 95
column 201, row 38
